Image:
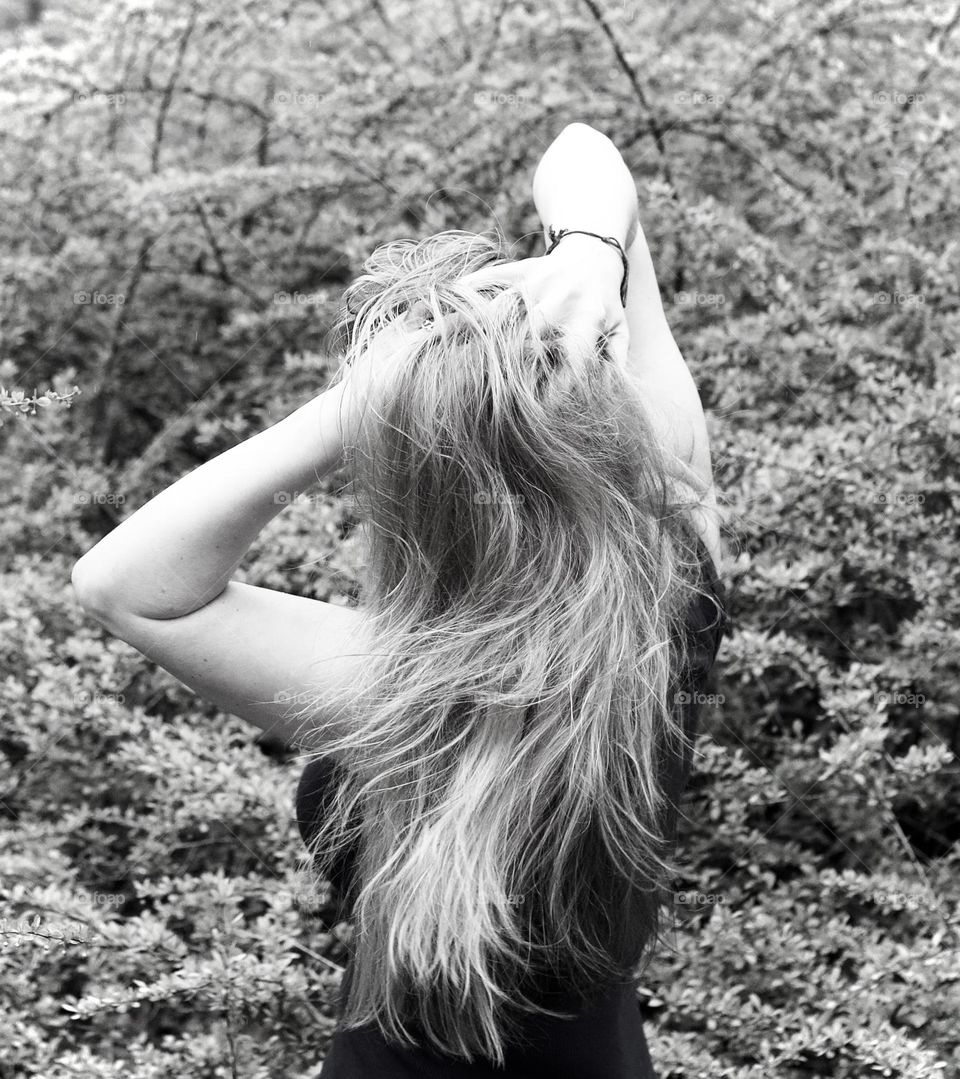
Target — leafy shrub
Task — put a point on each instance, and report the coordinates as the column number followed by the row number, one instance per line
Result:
column 186, row 189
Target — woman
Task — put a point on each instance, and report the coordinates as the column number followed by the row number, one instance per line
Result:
column 503, row 731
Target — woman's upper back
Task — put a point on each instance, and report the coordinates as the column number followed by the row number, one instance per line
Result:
column 706, row 623
column 606, row 1036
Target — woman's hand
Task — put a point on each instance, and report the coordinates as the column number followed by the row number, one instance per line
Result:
column 374, row 364
column 575, row 289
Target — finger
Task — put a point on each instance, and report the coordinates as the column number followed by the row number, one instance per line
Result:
column 503, row 273
column 539, row 321
column 618, row 342
column 582, row 332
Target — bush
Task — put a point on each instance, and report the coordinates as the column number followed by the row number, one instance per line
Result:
column 186, row 190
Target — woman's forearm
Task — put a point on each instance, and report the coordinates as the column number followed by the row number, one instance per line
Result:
column 582, row 182
column 179, row 551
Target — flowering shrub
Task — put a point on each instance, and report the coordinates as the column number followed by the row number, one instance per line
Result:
column 186, row 190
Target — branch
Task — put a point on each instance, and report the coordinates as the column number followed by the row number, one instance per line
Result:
column 168, row 90
column 655, row 129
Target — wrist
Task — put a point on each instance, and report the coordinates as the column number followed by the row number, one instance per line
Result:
column 571, row 218
column 599, row 262
column 604, row 208
column 307, row 444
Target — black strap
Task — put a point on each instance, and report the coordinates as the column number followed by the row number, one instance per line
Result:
column 556, row 236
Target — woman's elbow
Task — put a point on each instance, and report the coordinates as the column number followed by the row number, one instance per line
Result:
column 582, row 132
column 91, row 588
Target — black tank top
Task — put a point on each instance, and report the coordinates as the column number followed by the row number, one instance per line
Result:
column 606, row 1040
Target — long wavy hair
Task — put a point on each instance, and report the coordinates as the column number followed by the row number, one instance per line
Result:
column 528, row 571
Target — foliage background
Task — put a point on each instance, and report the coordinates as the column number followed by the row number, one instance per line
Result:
column 185, row 189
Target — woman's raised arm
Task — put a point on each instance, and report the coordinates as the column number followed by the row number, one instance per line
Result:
column 582, row 182
column 161, row 581
column 178, row 552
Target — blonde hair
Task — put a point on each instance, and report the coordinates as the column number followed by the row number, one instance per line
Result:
column 528, row 575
